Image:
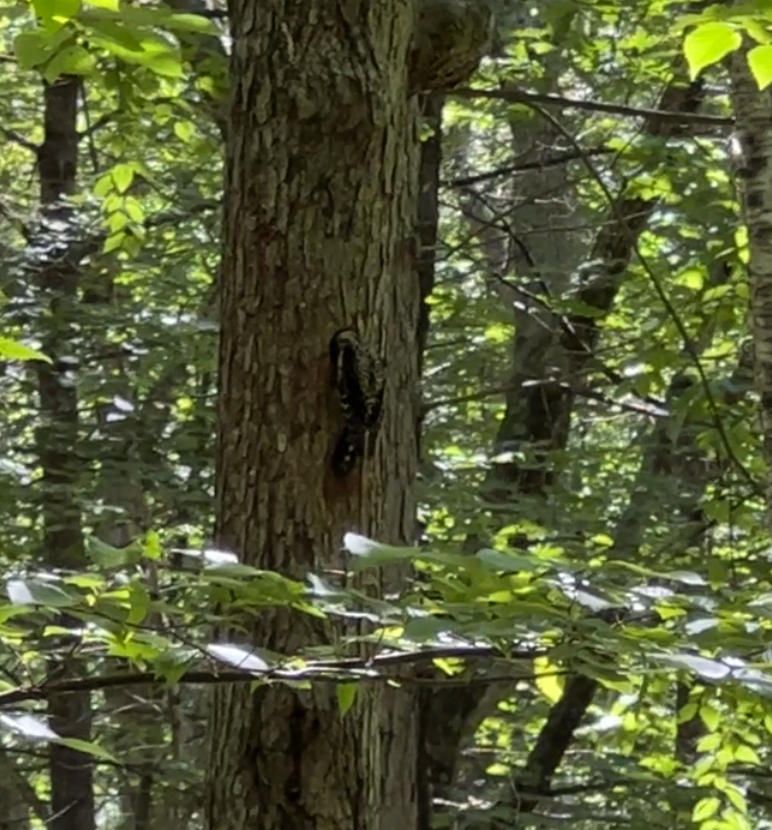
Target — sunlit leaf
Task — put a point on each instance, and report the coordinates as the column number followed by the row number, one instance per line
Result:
column 35, row 592
column 710, row 717
column 123, row 175
column 113, row 5
column 13, row 350
column 238, row 657
column 60, row 10
column 745, row 754
column 346, row 694
column 369, row 553
column 114, row 31
column 760, row 64
column 184, row 130
column 702, row 666
column 706, row 808
column 550, row 681
column 29, row 726
column 151, row 545
column 709, row 43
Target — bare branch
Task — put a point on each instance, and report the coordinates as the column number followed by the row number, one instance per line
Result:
column 519, row 96
column 16, row 138
column 348, row 669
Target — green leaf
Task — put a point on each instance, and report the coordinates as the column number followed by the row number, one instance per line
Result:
column 88, row 748
column 55, row 12
column 549, row 679
column 736, row 797
column 371, row 554
column 134, row 210
column 156, row 54
column 506, row 562
column 184, row 130
column 191, row 23
column 113, row 31
column 238, row 657
column 104, row 185
column 114, row 242
column 427, row 629
column 72, row 60
column 688, row 712
column 346, row 694
column 13, row 350
column 709, row 43
column 702, row 666
column 29, row 726
column 35, row 592
column 710, row 717
column 139, row 600
column 692, row 278
column 745, row 754
column 760, row 64
column 117, row 221
column 151, row 545
column 237, row 570
column 112, row 5
column 139, row 17
column 172, row 663
column 109, row 557
column 123, row 176
column 31, row 49
column 706, row 808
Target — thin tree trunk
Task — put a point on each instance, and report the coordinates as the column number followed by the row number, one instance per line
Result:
column 538, row 415
column 72, row 798
column 753, row 114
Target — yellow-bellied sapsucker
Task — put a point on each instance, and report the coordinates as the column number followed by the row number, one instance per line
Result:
column 359, row 377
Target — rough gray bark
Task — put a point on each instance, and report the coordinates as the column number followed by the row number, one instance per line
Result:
column 321, row 165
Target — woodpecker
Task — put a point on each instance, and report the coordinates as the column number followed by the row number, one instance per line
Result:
column 359, row 377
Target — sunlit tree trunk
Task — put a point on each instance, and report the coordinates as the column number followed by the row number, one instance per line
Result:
column 753, row 114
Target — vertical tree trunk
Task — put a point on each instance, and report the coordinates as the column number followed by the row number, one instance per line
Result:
column 753, row 114
column 72, row 797
column 321, row 161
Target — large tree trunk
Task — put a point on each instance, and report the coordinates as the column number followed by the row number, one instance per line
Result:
column 321, row 165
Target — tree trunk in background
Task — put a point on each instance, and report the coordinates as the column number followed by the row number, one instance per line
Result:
column 753, row 114
column 321, row 161
column 538, row 417
column 72, row 797
column 515, row 250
